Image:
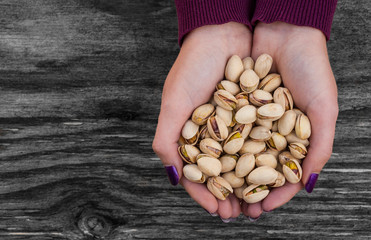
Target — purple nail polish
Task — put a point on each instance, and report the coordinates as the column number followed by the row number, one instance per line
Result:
column 211, row 214
column 172, row 174
column 227, row 220
column 311, row 182
column 253, row 219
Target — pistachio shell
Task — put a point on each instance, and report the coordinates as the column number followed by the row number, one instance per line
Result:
column 292, row 171
column 255, row 193
column 265, row 123
column 302, row 127
column 233, row 180
column 217, row 128
column 248, row 63
column 262, row 65
column 251, row 146
column 238, row 191
column 229, row 86
column 242, row 100
column 209, row 165
column 226, row 115
column 259, row 98
column 246, row 115
column 233, row 143
column 249, row 81
column 190, row 132
column 181, row 140
column 225, row 99
column 262, row 175
column 188, row 153
column 283, row 97
column 270, row 111
column 234, row 68
column 245, row 165
column 204, row 132
column 266, row 159
column 297, row 111
column 260, row 133
column 280, row 181
column 219, row 187
column 291, row 138
column 211, row 147
column 228, row 162
column 270, row 82
column 287, row 122
column 244, row 129
column 202, row 113
column 274, row 126
column 285, row 157
column 193, row 173
column 212, row 101
column 298, row 150
column 275, row 153
column 277, row 142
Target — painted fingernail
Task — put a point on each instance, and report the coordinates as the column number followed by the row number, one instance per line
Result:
column 311, row 182
column 211, row 214
column 253, row 219
column 227, row 220
column 172, row 175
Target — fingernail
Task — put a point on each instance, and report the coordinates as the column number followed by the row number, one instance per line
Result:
column 211, row 214
column 311, row 182
column 253, row 219
column 227, row 220
column 172, row 175
column 267, row 211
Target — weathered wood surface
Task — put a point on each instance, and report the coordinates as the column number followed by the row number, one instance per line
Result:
column 80, row 88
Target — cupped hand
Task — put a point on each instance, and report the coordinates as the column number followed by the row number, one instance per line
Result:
column 190, row 83
column 300, row 55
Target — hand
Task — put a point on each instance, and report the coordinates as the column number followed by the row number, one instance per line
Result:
column 300, row 56
column 190, row 83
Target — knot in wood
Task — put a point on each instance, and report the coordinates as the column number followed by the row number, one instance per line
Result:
column 94, row 225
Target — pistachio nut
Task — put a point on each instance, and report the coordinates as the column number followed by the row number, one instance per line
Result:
column 262, row 175
column 226, row 115
column 270, row 83
column 244, row 129
column 266, row 159
column 262, row 65
column 260, row 133
column 274, row 126
column 188, row 153
column 242, row 100
column 190, row 132
column 246, row 115
column 233, row 143
column 292, row 138
column 202, row 113
column 302, row 127
column 233, row 180
column 245, row 165
column 229, row 86
column 228, row 162
column 298, row 150
column 285, row 156
column 251, row 146
column 287, row 122
column 209, row 165
column 238, row 191
column 283, row 97
column 219, row 187
column 193, row 173
column 280, row 181
column 249, row 81
column 217, row 128
column 204, row 132
column 277, row 142
column 211, row 147
column 255, row 193
column 225, row 99
column 248, row 63
column 265, row 123
column 234, row 68
column 260, row 97
column 270, row 111
column 292, row 171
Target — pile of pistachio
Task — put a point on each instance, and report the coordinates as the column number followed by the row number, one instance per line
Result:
column 249, row 138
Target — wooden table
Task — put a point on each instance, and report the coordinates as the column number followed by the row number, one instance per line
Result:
column 80, row 88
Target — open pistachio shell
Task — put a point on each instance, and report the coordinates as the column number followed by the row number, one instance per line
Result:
column 275, row 153
column 297, row 111
column 238, row 191
column 251, row 146
column 298, row 150
column 280, row 181
column 259, row 98
column 255, row 193
column 287, row 122
column 265, row 123
column 270, row 82
column 234, row 68
column 302, row 127
column 246, row 115
column 188, row 153
column 209, row 165
column 266, row 159
column 219, row 187
column 292, row 138
column 233, row 180
column 190, row 132
column 225, row 99
column 283, row 97
column 211, row 147
column 181, row 141
column 262, row 175
column 193, row 173
column 248, row 63
column 204, row 133
column 292, row 171
column 277, row 142
column 245, row 165
column 229, row 86
column 270, row 111
column 217, row 128
column 233, row 143
column 228, row 162
column 242, row 100
column 249, row 81
column 202, row 113
column 285, row 157
column 260, row 133
column 226, row 115
column 262, row 65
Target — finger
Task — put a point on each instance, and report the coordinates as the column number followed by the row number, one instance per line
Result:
column 279, row 196
column 225, row 209
column 236, row 207
column 254, row 210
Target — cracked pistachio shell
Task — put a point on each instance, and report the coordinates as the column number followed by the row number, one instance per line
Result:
column 219, row 187
column 188, row 153
column 242, row 100
column 275, row 153
column 181, row 141
column 233, row 143
column 287, row 122
column 283, row 97
column 202, row 113
column 274, row 126
column 245, row 165
column 262, row 175
column 260, row 133
column 292, row 138
column 225, row 99
column 229, row 86
column 265, row 123
column 238, row 191
column 234, row 68
column 285, row 157
column 246, row 115
column 217, row 128
column 277, row 142
column 298, row 150
column 226, row 115
column 270, row 111
column 259, row 98
column 270, row 83
column 292, row 171
column 244, row 129
column 233, row 180
column 280, row 181
column 204, row 132
column 248, row 63
column 190, row 132
column 251, row 146
column 211, row 147
column 302, row 127
column 255, row 193
column 262, row 65
column 266, row 159
column 193, row 173
column 249, row 81
column 228, row 162
column 209, row 165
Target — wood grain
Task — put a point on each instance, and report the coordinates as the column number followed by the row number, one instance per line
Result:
column 80, row 89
